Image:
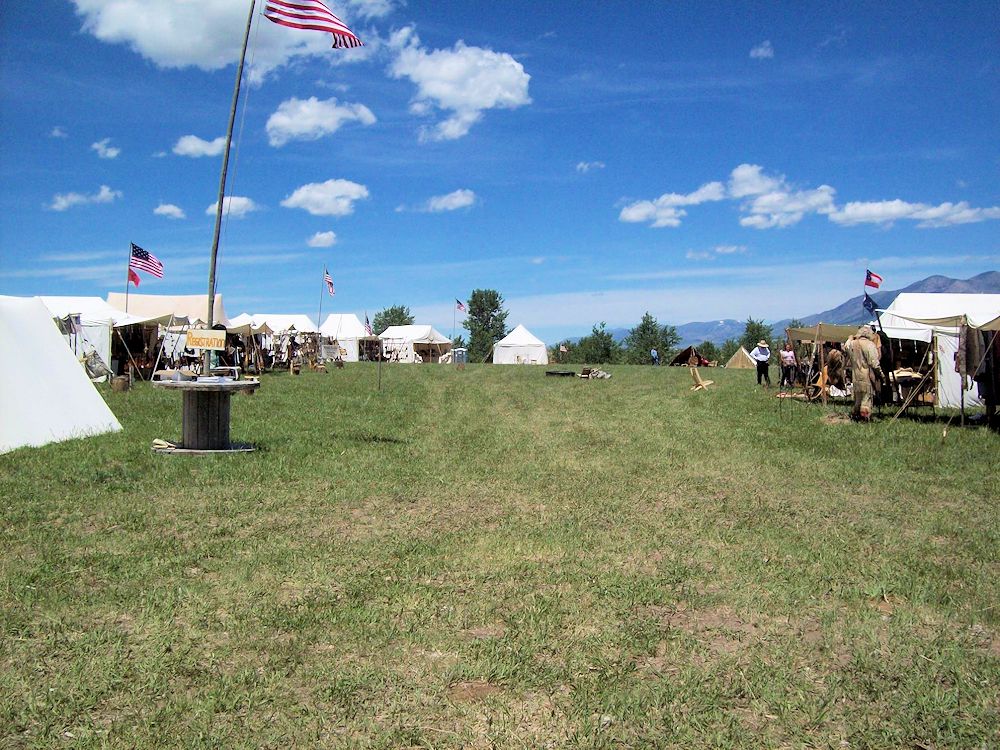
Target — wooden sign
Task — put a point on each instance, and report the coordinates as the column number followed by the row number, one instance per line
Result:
column 205, row 339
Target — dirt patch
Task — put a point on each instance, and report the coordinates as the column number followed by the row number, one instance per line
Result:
column 835, row 419
column 486, row 632
column 986, row 639
column 471, row 691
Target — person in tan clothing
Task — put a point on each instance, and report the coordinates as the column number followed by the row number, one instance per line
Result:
column 864, row 356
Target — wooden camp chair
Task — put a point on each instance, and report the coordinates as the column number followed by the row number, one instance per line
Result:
column 699, row 384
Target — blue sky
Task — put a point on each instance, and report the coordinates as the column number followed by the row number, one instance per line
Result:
column 591, row 161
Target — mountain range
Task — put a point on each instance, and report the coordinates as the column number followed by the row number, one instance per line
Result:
column 850, row 312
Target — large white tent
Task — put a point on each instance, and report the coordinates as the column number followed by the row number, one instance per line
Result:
column 347, row 331
column 520, row 347
column 936, row 319
column 417, row 343
column 45, row 395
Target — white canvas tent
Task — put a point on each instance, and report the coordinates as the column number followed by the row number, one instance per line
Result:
column 418, row 343
column 520, row 347
column 741, row 360
column 94, row 321
column 347, row 331
column 936, row 319
column 190, row 308
column 45, row 395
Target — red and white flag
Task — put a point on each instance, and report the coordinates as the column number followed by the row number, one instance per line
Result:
column 133, row 276
column 328, row 280
column 312, row 15
column 368, row 326
column 459, row 305
column 872, row 279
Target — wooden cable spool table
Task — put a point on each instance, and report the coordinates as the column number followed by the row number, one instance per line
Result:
column 205, row 412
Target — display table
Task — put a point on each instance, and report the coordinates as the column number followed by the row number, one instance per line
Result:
column 206, row 411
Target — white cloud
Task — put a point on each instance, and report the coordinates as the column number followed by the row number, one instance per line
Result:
column 207, row 34
column 664, row 211
column 715, row 252
column 58, row 132
column 330, row 198
column 372, row 8
column 783, row 209
column 763, row 51
column 699, row 255
column 585, row 166
column 749, row 179
column 235, row 206
column 887, row 212
column 310, row 119
column 322, row 239
column 193, row 146
column 450, row 202
column 104, row 151
column 465, row 81
column 63, row 201
column 170, row 211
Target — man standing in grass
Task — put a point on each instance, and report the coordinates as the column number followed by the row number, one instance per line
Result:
column 655, row 356
column 762, row 355
column 865, row 369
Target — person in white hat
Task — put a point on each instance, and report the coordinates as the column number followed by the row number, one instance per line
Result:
column 762, row 355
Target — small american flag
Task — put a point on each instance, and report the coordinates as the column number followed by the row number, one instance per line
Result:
column 328, row 280
column 312, row 15
column 368, row 326
column 143, row 260
column 459, row 305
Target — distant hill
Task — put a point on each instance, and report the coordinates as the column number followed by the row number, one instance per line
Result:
column 849, row 313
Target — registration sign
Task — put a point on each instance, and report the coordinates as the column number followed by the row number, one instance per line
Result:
column 205, row 339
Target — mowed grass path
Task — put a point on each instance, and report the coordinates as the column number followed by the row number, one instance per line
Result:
column 493, row 558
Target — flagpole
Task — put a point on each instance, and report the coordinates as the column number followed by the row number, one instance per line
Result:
column 222, row 186
column 322, row 288
column 128, row 274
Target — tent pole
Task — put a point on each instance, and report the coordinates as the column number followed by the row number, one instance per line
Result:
column 162, row 341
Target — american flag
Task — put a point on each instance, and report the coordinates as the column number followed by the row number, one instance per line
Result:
column 328, row 280
column 145, row 261
column 872, row 279
column 368, row 326
column 312, row 15
column 459, row 305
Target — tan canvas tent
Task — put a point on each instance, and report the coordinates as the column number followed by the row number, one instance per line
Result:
column 741, row 360
column 347, row 331
column 184, row 307
column 45, row 395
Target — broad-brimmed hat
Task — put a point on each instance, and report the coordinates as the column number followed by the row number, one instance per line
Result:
column 763, row 343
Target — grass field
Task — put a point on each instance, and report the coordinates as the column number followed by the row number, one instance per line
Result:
column 492, row 558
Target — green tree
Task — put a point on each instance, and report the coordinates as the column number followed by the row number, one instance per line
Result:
column 599, row 348
column 650, row 335
column 754, row 331
column 397, row 315
column 729, row 348
column 459, row 342
column 486, row 322
column 709, row 351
